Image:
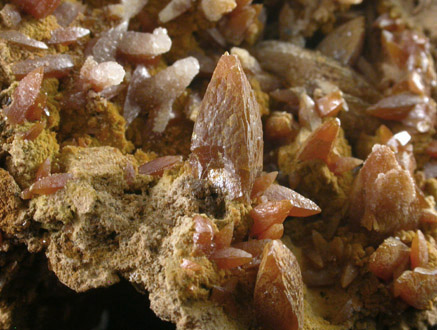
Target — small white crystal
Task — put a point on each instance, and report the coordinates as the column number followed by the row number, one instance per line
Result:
column 102, row 75
column 215, row 9
column 145, row 45
column 174, row 9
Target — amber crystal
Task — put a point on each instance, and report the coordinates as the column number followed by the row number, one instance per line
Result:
column 35, row 111
column 204, row 234
column 38, row 8
column 391, row 255
column 50, row 184
column 345, row 42
column 33, row 132
column 417, row 288
column 419, row 251
column 275, row 231
column 44, row 169
column 262, row 183
column 254, row 246
column 224, row 237
column 344, row 164
column 320, row 143
column 396, row 107
column 278, row 296
column 267, row 214
column 234, row 29
column 302, row 206
column 230, row 257
column 331, row 104
column 383, row 196
column 24, row 96
column 159, row 165
column 227, row 143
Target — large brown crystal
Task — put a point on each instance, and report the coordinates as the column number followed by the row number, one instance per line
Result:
column 38, row 8
column 384, row 195
column 278, row 293
column 227, row 142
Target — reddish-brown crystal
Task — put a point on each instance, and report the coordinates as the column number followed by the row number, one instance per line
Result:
column 44, row 169
column 234, row 29
column 275, row 231
column 227, row 144
column 280, row 127
column 345, row 42
column 388, row 257
column 321, row 142
column 230, row 257
column 262, row 183
column 33, row 132
column 254, row 246
column 24, row 96
column 224, row 237
column 50, row 184
column 396, row 107
column 35, row 111
column 419, row 251
column 330, row 105
column 267, row 214
column 383, row 196
column 38, row 8
column 204, row 234
column 417, row 288
column 344, row 164
column 432, row 149
column 278, row 296
column 159, row 165
column 302, row 207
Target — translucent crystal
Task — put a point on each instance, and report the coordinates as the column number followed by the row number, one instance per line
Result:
column 54, row 66
column 227, row 143
column 22, row 39
column 68, row 35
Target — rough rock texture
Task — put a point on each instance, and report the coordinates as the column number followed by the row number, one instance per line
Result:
column 139, row 232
